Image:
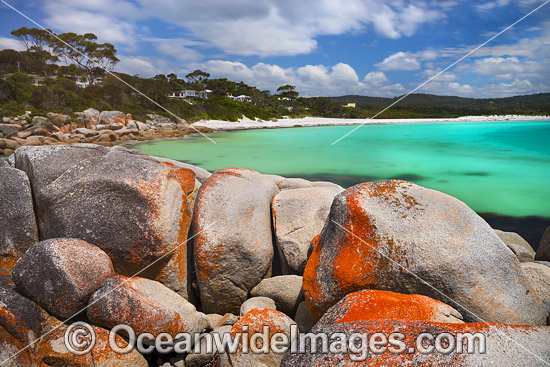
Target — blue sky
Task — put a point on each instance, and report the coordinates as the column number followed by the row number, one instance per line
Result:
column 323, row 47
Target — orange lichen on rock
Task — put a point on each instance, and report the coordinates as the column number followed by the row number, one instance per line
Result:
column 375, row 304
column 254, row 322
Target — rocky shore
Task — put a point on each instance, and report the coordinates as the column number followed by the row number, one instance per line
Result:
column 106, row 128
column 115, row 236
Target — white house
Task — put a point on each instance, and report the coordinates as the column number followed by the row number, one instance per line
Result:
column 189, row 93
column 241, row 99
column 83, row 82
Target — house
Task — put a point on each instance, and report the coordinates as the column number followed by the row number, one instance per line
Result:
column 350, row 105
column 241, row 99
column 189, row 93
column 83, row 82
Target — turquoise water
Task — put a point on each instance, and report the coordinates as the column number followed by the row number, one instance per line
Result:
column 497, row 167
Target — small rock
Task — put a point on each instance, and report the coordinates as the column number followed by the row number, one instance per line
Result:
column 521, row 248
column 9, row 128
column 257, row 303
column 62, row 274
column 86, row 132
column 285, row 290
column 255, row 320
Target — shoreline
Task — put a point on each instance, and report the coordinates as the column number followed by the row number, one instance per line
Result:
column 247, row 124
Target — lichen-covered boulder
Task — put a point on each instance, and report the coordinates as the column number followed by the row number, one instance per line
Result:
column 112, row 117
column 200, row 173
column 18, row 229
column 21, row 318
column 62, row 274
column 505, row 345
column 543, row 252
column 371, row 304
column 59, row 119
column 285, row 290
column 233, row 244
column 256, row 320
column 298, row 216
column 519, row 246
column 397, row 236
column 145, row 305
column 53, row 351
column 128, row 204
column 45, row 164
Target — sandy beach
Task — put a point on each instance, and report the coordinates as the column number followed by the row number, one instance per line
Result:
column 246, row 123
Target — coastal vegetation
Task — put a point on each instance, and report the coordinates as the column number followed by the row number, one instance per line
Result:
column 50, row 76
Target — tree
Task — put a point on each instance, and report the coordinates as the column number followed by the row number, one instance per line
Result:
column 197, row 78
column 83, row 50
column 288, row 91
column 34, row 38
column 38, row 56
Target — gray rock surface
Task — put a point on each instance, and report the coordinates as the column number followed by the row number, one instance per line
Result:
column 257, row 303
column 145, row 305
column 521, row 248
column 543, row 252
column 500, row 351
column 285, row 290
column 303, row 318
column 128, row 204
column 293, row 183
column 233, row 244
column 62, row 274
column 18, row 229
column 538, row 276
column 299, row 216
column 386, row 235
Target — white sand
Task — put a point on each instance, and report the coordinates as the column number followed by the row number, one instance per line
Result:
column 246, row 123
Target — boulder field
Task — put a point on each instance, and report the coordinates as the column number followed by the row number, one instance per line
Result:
column 110, row 236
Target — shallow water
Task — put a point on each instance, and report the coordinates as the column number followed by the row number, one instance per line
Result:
column 494, row 167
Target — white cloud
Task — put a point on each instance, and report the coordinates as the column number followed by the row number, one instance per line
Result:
column 288, row 27
column 399, row 61
column 310, row 80
column 11, row 43
column 490, row 5
column 375, row 78
column 143, row 66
